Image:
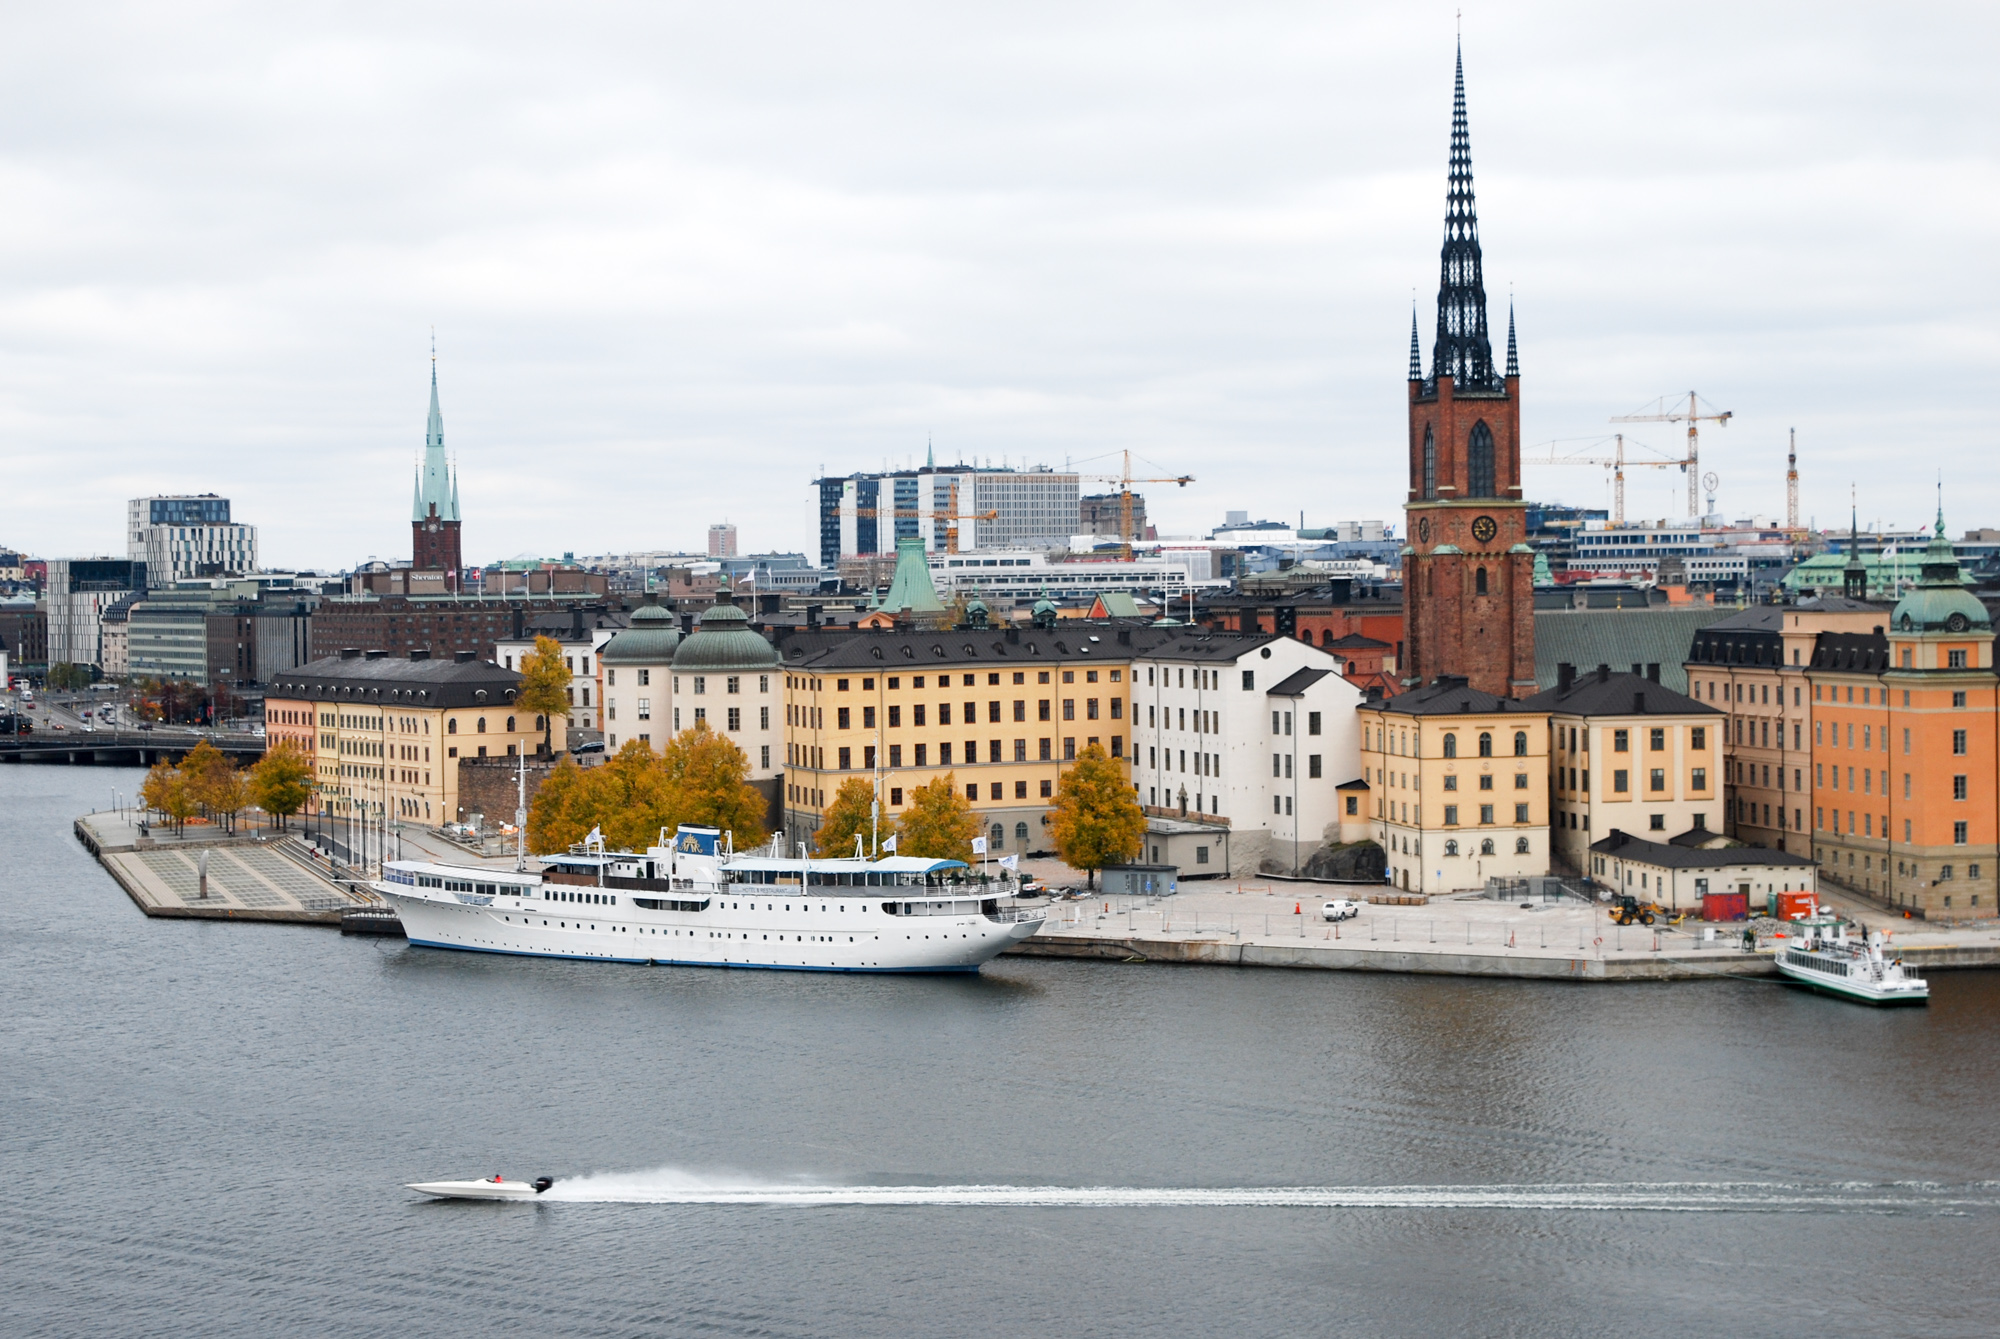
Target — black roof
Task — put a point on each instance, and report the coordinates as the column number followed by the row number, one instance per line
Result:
column 376, row 680
column 1446, row 696
column 1601, row 693
column 1628, row 847
column 1297, row 682
column 1860, row 652
column 1074, row 640
column 1354, row 641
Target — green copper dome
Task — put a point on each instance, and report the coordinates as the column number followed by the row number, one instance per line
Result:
column 723, row 640
column 1939, row 602
column 650, row 640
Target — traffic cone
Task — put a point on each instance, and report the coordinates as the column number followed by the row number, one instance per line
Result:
column 1298, row 909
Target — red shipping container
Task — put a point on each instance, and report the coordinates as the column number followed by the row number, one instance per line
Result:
column 1725, row 906
column 1791, row 905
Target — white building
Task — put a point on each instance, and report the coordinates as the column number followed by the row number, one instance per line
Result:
column 79, row 591
column 868, row 513
column 185, row 536
column 581, row 634
column 1024, row 574
column 1677, row 875
column 1260, row 731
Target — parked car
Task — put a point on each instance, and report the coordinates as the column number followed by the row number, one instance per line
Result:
column 1341, row 909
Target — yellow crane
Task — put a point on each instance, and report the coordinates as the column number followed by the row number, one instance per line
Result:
column 1694, row 418
column 1616, row 463
column 951, row 515
column 1125, row 479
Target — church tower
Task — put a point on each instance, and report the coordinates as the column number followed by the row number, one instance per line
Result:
column 1468, row 573
column 434, row 513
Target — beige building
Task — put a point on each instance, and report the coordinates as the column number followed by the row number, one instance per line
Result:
column 1459, row 785
column 1677, row 875
column 1627, row 753
column 1753, row 667
column 582, row 633
column 388, row 734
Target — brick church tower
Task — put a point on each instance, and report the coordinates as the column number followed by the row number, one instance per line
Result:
column 434, row 513
column 1468, row 573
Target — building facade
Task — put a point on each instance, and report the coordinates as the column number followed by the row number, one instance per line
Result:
column 79, row 591
column 387, row 734
column 1459, row 784
column 185, row 536
column 1905, row 805
column 581, row 633
column 1677, row 875
column 1626, row 753
column 722, row 540
column 1468, row 572
column 945, row 507
column 434, row 520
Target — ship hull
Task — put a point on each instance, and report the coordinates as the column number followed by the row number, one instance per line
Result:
column 835, row 935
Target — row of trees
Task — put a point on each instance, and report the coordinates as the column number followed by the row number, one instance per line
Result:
column 1095, row 820
column 699, row 778
column 207, row 784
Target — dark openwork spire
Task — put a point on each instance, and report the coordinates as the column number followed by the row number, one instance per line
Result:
column 1513, row 351
column 1463, row 350
column 1416, row 356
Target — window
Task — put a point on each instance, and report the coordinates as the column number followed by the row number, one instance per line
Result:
column 1520, row 781
column 1957, row 699
column 896, row 795
column 1486, row 783
column 1520, row 743
column 841, row 714
column 1048, row 789
column 972, row 790
column 1698, row 779
column 1479, row 462
column 1479, row 582
column 1450, row 782
column 1954, row 660
column 1659, row 823
column 736, row 718
column 846, row 760
column 1958, row 742
column 735, row 683
column 1621, row 741
column 1450, row 744
column 1312, row 766
column 1354, row 805
column 1069, row 708
column 1249, row 681
column 1485, row 745
column 1451, row 815
column 1451, row 846
column 701, row 683
column 1958, row 788
column 1658, row 742
column 1958, row 838
column 1430, row 463
column 1520, row 813
column 1486, row 847
column 1485, row 813
column 1619, row 781
column 1657, row 781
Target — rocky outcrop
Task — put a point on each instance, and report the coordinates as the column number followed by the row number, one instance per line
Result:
column 1364, row 861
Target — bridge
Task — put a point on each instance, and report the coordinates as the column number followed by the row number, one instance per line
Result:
column 123, row 748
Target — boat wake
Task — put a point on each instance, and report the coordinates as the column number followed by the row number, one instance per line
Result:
column 673, row 1186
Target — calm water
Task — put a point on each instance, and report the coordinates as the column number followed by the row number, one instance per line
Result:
column 206, row 1127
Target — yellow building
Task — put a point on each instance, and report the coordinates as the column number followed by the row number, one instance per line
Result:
column 1459, row 786
column 1627, row 753
column 388, row 734
column 1000, row 709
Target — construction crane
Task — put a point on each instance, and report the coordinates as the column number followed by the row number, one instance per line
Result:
column 1616, row 463
column 1125, row 479
column 951, row 514
column 1693, row 417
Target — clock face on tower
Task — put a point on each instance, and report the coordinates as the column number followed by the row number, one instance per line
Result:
column 1483, row 529
column 1424, row 529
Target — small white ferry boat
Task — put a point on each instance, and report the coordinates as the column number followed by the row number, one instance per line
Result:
column 1820, row 954
column 692, row 902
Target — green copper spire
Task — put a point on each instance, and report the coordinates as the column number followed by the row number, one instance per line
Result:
column 911, row 586
column 437, row 482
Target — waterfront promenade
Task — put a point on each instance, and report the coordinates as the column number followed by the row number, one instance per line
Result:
column 1275, row 923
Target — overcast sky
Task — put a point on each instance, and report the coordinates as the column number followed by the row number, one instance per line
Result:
column 682, row 257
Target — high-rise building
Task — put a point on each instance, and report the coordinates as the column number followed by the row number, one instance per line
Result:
column 722, row 540
column 1468, row 573
column 434, row 541
column 79, row 591
column 186, row 535
column 947, row 508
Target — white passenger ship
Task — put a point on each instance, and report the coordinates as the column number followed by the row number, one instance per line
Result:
column 693, row 903
column 1820, row 954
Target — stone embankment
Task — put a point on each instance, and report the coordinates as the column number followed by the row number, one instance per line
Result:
column 248, row 878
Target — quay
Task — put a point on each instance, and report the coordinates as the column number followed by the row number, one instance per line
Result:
column 262, row 876
column 1278, row 924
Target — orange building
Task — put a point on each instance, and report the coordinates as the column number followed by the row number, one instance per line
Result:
column 1904, row 751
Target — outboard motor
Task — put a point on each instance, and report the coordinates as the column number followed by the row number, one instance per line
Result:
column 543, row 1183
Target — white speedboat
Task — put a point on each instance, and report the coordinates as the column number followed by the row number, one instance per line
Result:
column 492, row 1188
column 692, row 902
column 1822, row 955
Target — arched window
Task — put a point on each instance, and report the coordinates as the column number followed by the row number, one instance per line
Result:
column 541, row 722
column 1520, row 846
column 1485, row 744
column 451, row 727
column 1451, row 746
column 1479, row 462
column 510, row 725
column 1430, row 463
column 1520, row 743
column 999, row 835
column 480, row 727
column 1479, row 581
column 1486, row 847
column 1451, row 847
column 1021, row 835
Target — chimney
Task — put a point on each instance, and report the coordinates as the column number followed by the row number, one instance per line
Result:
column 464, row 657
column 1638, row 704
column 1565, row 677
column 377, row 655
column 420, row 653
column 350, row 653
column 1604, row 674
column 1653, row 671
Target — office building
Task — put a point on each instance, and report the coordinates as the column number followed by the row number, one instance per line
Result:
column 722, row 540
column 183, row 536
column 79, row 591
column 947, row 508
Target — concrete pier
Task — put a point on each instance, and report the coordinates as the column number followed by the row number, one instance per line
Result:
column 247, row 879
